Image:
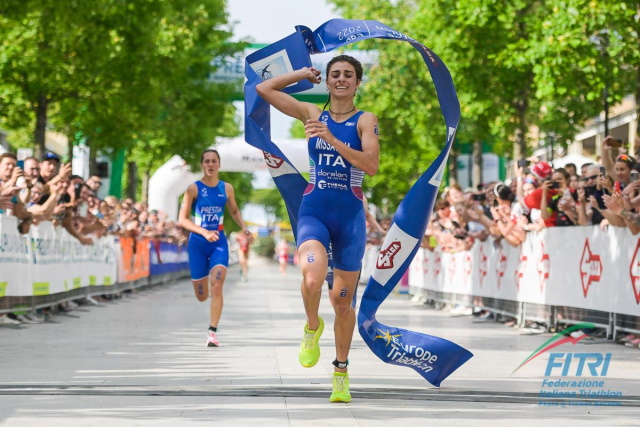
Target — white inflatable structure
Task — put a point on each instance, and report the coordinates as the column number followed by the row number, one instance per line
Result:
column 171, row 180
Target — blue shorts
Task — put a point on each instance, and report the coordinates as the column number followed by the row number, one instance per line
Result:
column 341, row 233
column 205, row 255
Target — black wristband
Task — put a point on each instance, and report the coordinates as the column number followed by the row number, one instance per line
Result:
column 341, row 365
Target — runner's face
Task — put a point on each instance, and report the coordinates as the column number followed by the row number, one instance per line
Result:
column 210, row 164
column 342, row 80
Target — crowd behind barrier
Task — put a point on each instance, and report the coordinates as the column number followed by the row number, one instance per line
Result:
column 568, row 275
column 555, row 277
column 48, row 266
column 545, row 249
column 61, row 242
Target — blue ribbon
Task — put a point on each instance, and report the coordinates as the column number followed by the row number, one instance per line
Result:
column 432, row 357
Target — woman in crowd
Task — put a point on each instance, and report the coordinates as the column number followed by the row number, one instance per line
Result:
column 620, row 169
column 450, row 233
column 343, row 147
column 557, row 205
column 208, row 248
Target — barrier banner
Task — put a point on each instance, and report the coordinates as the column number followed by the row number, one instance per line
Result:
column 432, row 357
column 134, row 258
column 48, row 260
column 15, row 258
column 581, row 267
column 167, row 258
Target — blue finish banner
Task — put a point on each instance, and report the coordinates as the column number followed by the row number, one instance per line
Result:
column 167, row 258
column 432, row 357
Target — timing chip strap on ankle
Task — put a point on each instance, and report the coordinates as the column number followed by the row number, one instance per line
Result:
column 341, row 365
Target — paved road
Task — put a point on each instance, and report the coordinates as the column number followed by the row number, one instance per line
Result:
column 141, row 360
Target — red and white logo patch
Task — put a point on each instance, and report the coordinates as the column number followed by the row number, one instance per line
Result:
column 425, row 263
column 544, row 267
column 468, row 266
column 452, row 267
column 501, row 265
column 272, row 161
column 590, row 268
column 634, row 272
column 522, row 268
column 483, row 269
column 386, row 256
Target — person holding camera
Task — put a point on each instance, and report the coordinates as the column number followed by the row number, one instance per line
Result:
column 557, row 206
column 449, row 231
column 9, row 174
column 590, row 197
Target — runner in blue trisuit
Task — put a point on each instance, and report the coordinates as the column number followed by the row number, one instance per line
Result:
column 343, row 147
column 205, row 201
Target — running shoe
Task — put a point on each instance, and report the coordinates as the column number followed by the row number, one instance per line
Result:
column 212, row 339
column 26, row 319
column 309, row 352
column 340, row 392
column 634, row 343
column 6, row 320
column 34, row 317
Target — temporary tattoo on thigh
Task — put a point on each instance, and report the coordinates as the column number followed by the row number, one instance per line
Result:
column 344, row 292
column 311, row 258
column 219, row 275
column 200, row 289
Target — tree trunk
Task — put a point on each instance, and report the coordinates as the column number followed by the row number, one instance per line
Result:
column 132, row 180
column 453, row 166
column 93, row 163
column 145, row 186
column 520, row 146
column 476, row 171
column 70, row 150
column 41, row 125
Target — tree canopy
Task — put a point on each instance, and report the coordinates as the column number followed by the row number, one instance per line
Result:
column 118, row 75
column 522, row 68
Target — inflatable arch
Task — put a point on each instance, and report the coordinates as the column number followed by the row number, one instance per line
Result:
column 171, row 180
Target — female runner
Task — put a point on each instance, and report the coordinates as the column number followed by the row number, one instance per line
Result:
column 208, row 248
column 343, row 147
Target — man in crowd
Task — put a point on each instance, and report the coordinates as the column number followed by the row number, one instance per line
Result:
column 9, row 175
column 94, row 183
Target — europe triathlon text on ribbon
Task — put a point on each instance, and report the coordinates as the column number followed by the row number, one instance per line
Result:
column 432, row 357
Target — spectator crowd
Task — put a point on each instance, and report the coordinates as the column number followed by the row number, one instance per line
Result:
column 535, row 197
column 38, row 190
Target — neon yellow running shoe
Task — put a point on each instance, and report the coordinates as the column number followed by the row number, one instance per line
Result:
column 340, row 393
column 309, row 352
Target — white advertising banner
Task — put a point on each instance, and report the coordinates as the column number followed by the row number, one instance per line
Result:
column 48, row 260
column 15, row 258
column 582, row 267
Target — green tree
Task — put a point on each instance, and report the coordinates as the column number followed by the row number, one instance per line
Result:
column 272, row 202
column 130, row 75
column 519, row 66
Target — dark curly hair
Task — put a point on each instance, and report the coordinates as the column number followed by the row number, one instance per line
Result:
column 344, row 58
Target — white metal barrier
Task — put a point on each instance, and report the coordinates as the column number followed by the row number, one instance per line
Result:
column 48, row 260
column 578, row 267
